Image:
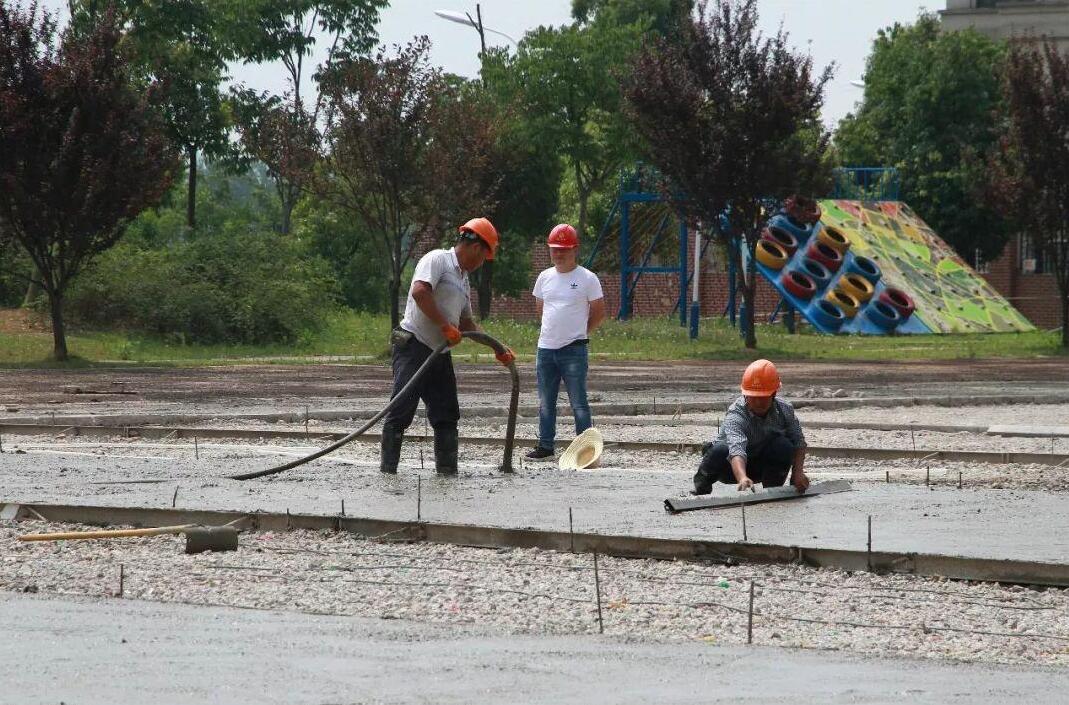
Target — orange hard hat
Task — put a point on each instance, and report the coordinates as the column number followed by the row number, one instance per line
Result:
column 486, row 232
column 563, row 236
column 760, row 379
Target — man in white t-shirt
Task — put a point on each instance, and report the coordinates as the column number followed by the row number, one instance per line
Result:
column 571, row 305
column 438, row 309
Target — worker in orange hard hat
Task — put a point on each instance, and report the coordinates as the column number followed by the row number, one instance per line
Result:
column 760, row 439
column 438, row 309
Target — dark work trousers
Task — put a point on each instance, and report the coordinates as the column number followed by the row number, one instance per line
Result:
column 437, row 388
column 768, row 463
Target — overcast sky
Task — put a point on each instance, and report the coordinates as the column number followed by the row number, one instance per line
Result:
column 839, row 31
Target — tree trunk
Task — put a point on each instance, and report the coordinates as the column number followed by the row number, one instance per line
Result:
column 486, row 288
column 287, row 214
column 395, row 304
column 59, row 337
column 581, row 228
column 32, row 292
column 191, row 194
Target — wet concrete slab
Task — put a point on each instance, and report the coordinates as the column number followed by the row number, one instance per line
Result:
column 118, row 651
column 975, row 523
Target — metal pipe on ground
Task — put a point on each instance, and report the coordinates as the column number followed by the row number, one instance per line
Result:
column 198, row 538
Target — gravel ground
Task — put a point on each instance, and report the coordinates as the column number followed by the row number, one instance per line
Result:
column 1045, row 414
column 540, row 592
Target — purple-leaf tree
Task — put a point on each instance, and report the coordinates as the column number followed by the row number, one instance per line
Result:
column 731, row 118
column 83, row 149
column 404, row 152
column 1029, row 176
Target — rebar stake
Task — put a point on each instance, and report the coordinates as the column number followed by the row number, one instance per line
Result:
column 196, row 448
column 122, row 578
column 597, row 590
column 749, row 617
column 887, row 476
column 174, row 499
column 306, row 419
column 743, row 508
column 571, row 530
column 959, row 479
column 420, row 458
column 927, row 476
column 343, row 506
column 419, row 499
column 868, row 551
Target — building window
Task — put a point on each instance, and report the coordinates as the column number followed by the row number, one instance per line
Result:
column 1032, row 259
column 1029, row 256
column 979, row 264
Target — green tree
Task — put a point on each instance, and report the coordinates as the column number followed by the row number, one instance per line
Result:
column 177, row 45
column 405, row 153
column 564, row 86
column 662, row 17
column 279, row 131
column 1029, row 177
column 83, row 147
column 930, row 108
column 731, row 118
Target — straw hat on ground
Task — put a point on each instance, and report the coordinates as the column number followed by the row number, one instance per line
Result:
column 584, row 452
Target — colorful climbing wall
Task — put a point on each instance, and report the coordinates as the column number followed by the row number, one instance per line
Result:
column 950, row 297
column 876, row 268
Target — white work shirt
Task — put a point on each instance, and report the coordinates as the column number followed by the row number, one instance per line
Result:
column 565, row 305
column 451, row 291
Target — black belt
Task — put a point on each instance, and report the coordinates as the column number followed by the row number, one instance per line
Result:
column 581, row 341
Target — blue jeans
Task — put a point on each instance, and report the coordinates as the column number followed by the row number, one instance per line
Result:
column 552, row 366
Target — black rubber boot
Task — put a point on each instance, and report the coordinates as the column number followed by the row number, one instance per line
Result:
column 390, row 454
column 446, row 447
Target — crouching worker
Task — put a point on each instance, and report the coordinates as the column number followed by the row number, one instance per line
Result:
column 760, row 439
column 438, row 309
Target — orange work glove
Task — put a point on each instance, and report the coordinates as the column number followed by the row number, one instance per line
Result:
column 451, row 333
column 507, row 357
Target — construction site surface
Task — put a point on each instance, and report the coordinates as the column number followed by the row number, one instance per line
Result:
column 941, row 574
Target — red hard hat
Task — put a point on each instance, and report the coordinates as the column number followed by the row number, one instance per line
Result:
column 760, row 379
column 486, row 232
column 563, row 236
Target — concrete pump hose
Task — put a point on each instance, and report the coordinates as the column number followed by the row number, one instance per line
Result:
column 476, row 336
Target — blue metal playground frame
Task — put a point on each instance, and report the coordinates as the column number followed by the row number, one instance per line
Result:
column 855, row 183
column 631, row 192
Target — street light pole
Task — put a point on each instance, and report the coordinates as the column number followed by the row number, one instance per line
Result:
column 485, row 277
column 466, row 19
column 479, row 29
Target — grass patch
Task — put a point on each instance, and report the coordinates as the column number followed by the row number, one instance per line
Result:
column 349, row 333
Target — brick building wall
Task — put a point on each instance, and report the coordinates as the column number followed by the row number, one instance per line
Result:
column 1034, row 295
column 655, row 295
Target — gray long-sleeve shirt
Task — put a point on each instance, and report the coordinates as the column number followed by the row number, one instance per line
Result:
column 741, row 428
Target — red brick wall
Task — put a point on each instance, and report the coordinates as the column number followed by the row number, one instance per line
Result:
column 655, row 295
column 1034, row 295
